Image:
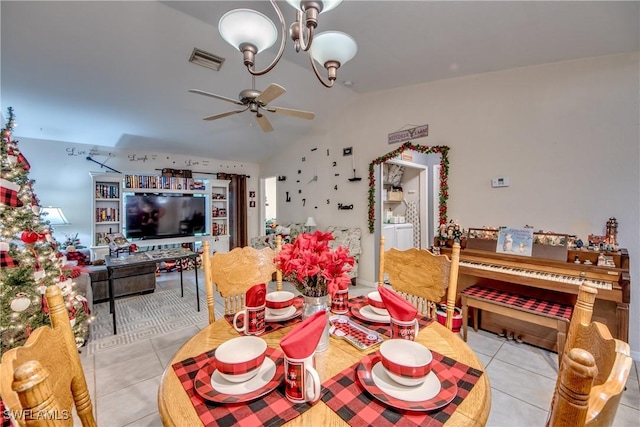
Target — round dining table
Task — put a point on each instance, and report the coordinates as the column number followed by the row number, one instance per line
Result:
column 176, row 408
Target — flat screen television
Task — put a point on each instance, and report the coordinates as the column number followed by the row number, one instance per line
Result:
column 162, row 216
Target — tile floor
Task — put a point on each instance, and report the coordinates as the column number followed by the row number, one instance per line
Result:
column 124, row 380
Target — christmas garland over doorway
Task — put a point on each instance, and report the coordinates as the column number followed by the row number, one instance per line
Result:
column 443, row 195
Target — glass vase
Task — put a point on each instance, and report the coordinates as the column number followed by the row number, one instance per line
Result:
column 313, row 305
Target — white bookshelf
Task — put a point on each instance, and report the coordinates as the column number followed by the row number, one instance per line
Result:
column 106, row 211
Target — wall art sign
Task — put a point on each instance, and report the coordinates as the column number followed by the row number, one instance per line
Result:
column 408, row 134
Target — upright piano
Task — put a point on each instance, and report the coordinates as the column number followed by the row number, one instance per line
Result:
column 552, row 280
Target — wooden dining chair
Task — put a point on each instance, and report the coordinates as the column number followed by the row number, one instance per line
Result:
column 233, row 273
column 422, row 277
column 593, row 371
column 44, row 379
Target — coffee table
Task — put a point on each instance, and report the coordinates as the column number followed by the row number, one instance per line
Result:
column 113, row 262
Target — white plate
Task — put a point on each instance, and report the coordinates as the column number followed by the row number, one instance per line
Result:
column 367, row 313
column 265, row 373
column 289, row 314
column 425, row 391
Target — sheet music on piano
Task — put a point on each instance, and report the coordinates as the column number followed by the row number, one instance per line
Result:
column 517, row 241
column 545, row 244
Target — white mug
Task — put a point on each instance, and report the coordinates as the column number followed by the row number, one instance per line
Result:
column 253, row 323
column 301, row 380
column 404, row 330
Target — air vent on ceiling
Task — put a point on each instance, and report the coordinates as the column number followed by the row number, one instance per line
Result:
column 206, row 59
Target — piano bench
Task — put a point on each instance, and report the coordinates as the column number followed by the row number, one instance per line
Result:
column 544, row 313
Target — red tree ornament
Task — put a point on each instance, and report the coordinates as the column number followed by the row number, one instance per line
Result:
column 29, row 237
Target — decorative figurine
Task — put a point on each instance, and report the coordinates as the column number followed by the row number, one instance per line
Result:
column 612, row 232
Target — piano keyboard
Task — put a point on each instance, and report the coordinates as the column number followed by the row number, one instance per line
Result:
column 572, row 280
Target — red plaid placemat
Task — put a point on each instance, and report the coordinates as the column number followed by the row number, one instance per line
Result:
column 347, row 398
column 525, row 303
column 274, row 326
column 274, row 409
column 381, row 328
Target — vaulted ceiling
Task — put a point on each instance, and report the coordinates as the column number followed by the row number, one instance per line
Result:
column 117, row 73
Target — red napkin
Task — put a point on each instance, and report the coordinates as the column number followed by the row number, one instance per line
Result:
column 302, row 341
column 256, row 295
column 398, row 307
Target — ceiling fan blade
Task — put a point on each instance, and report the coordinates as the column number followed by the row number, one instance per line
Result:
column 213, row 95
column 293, row 113
column 228, row 113
column 270, row 93
column 264, row 123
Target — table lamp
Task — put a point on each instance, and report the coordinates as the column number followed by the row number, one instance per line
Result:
column 55, row 216
column 310, row 224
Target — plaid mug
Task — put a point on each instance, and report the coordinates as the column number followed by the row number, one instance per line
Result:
column 404, row 330
column 253, row 323
column 301, row 381
column 340, row 302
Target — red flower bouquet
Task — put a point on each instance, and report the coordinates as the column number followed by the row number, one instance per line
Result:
column 313, row 267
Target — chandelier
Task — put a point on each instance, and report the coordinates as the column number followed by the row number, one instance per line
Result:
column 252, row 32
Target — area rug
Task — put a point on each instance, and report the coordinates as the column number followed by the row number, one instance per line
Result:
column 145, row 316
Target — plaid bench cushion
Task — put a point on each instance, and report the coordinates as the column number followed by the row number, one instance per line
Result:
column 538, row 306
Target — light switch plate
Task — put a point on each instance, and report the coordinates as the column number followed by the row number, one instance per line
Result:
column 500, row 181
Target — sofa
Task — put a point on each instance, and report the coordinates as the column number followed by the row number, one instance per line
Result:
column 344, row 236
column 288, row 231
column 349, row 238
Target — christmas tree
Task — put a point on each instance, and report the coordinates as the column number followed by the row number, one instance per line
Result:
column 29, row 259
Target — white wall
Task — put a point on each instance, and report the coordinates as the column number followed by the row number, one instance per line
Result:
column 566, row 134
column 62, row 176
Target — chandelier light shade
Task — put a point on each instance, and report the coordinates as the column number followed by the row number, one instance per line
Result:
column 332, row 49
column 333, row 46
column 240, row 26
column 252, row 32
column 55, row 216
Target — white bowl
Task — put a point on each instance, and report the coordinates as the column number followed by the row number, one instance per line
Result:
column 239, row 359
column 406, row 362
column 279, row 302
column 376, row 303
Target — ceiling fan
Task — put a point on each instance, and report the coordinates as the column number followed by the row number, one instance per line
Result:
column 256, row 102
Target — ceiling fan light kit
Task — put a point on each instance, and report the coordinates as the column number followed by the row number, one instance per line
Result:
column 251, row 32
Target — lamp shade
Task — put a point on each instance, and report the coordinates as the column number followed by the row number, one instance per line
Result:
column 327, row 4
column 55, row 216
column 240, row 26
column 333, row 46
column 310, row 222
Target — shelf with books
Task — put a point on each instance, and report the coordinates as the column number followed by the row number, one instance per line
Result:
column 165, row 183
column 106, row 209
column 219, row 214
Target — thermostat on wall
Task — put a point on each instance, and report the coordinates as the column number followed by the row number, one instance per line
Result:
column 500, row 181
